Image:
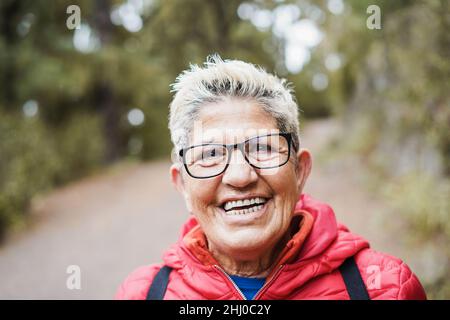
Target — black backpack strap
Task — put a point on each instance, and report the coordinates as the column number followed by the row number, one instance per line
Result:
column 159, row 285
column 353, row 281
column 349, row 270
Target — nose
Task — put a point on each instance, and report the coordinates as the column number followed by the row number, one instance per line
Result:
column 239, row 173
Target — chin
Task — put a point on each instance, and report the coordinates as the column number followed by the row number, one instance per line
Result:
column 246, row 242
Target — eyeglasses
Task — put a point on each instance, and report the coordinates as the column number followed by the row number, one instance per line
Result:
column 262, row 152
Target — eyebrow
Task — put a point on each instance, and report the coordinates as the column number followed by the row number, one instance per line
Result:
column 209, row 140
column 214, row 141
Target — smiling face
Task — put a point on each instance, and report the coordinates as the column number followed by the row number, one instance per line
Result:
column 244, row 209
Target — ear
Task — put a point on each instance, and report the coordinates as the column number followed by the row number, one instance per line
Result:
column 178, row 181
column 177, row 178
column 304, row 165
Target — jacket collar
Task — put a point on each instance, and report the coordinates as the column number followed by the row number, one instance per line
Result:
column 196, row 242
column 318, row 247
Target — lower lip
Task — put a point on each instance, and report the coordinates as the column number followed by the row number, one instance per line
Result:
column 244, row 218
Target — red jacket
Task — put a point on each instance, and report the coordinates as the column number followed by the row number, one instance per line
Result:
column 307, row 268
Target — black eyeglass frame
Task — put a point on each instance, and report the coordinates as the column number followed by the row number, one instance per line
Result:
column 240, row 146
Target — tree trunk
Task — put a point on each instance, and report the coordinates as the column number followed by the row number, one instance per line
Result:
column 107, row 102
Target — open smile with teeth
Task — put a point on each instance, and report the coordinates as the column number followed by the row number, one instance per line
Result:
column 244, row 206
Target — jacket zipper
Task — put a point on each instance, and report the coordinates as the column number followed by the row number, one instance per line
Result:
column 259, row 291
column 264, row 287
column 231, row 280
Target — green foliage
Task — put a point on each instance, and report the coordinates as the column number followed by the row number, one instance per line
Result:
column 424, row 204
column 80, row 147
column 28, row 165
column 84, row 98
column 33, row 159
column 397, row 115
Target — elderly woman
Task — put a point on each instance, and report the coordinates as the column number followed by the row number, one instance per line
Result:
column 252, row 233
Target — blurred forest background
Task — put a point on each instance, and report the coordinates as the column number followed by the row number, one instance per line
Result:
column 75, row 101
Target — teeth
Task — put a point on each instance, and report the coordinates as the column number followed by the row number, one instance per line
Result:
column 245, row 211
column 239, row 203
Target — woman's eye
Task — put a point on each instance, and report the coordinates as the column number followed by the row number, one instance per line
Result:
column 209, row 153
column 263, row 147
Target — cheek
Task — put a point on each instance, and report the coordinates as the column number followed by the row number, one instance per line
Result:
column 201, row 194
column 284, row 184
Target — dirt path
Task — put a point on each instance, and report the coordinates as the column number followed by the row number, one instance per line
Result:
column 107, row 225
column 112, row 223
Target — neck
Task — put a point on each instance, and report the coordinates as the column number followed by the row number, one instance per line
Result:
column 251, row 263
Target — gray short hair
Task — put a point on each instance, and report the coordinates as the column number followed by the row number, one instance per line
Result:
column 230, row 78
